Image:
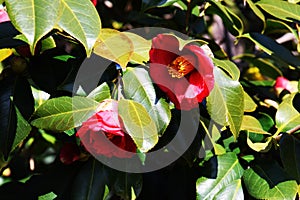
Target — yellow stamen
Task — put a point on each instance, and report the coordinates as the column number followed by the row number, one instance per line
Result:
column 180, row 67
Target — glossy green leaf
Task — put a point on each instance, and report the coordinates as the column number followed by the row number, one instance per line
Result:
column 147, row 4
column 287, row 117
column 249, row 104
column 48, row 196
column 271, row 47
column 100, row 93
column 274, row 26
column 138, row 86
column 259, row 188
column 228, row 178
column 251, row 124
column 81, row 22
column 64, row 58
column 23, row 129
column 257, row 12
column 161, row 114
column 281, row 9
column 48, row 43
column 33, row 18
column 141, row 48
column 115, row 46
column 230, row 19
column 229, row 67
column 225, row 103
column 290, row 155
column 64, row 113
column 138, row 124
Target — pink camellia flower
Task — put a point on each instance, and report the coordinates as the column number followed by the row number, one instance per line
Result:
column 94, row 2
column 283, row 84
column 186, row 75
column 3, row 16
column 103, row 133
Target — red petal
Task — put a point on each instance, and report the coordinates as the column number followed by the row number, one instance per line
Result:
column 204, row 67
column 165, row 48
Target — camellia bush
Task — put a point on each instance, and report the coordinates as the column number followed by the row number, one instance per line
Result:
column 140, row 99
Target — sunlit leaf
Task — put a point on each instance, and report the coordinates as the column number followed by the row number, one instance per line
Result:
column 260, row 146
column 143, row 92
column 259, row 188
column 33, row 18
column 64, row 113
column 229, row 67
column 226, row 102
column 249, row 104
column 147, row 4
column 5, row 53
column 138, row 124
column 100, row 93
column 251, row 124
column 141, row 48
column 81, row 22
column 115, row 46
column 228, row 179
column 281, row 9
column 287, row 117
column 48, row 43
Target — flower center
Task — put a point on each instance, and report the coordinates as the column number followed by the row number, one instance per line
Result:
column 180, row 66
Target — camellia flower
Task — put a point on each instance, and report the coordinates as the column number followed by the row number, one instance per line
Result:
column 103, row 133
column 284, row 84
column 186, row 75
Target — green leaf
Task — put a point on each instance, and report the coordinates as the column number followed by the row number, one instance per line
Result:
column 281, row 9
column 48, row 43
column 100, row 93
column 229, row 67
column 141, row 48
column 279, row 26
column 249, row 104
column 228, row 178
column 64, row 58
column 225, row 103
column 147, row 4
column 230, row 19
column 161, row 114
column 251, row 124
column 260, row 189
column 48, row 196
column 257, row 12
column 5, row 53
column 271, row 47
column 64, row 113
column 81, row 22
column 287, row 117
column 290, row 155
column 138, row 86
column 115, row 46
column 23, row 129
column 138, row 124
column 33, row 18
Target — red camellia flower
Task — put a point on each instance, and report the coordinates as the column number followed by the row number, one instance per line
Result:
column 186, row 75
column 103, row 133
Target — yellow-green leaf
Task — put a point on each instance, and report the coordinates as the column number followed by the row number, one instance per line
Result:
column 138, row 124
column 250, row 105
column 260, row 146
column 251, row 124
column 64, row 113
column 141, row 48
column 115, row 46
column 5, row 53
column 287, row 117
column 33, row 18
column 81, row 20
column 225, row 103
